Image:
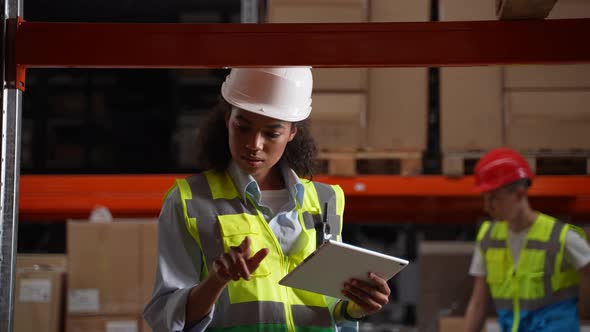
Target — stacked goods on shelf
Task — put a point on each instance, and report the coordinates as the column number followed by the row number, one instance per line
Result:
column 470, row 97
column 398, row 97
column 538, row 110
column 352, row 80
column 110, row 274
column 546, row 106
column 340, row 94
column 397, row 103
column 364, row 120
column 39, row 301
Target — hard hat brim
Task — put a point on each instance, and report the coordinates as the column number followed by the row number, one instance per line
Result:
column 291, row 115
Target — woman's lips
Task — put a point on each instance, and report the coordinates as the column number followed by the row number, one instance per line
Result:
column 253, row 161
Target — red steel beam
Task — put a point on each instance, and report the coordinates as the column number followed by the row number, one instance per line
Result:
column 381, row 199
column 112, row 45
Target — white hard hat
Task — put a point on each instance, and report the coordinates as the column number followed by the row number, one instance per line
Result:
column 282, row 93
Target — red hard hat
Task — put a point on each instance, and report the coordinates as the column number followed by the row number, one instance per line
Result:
column 500, row 167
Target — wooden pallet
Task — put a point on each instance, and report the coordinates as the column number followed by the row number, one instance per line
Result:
column 542, row 162
column 370, row 162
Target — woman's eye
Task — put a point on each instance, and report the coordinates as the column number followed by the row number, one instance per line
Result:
column 273, row 135
column 241, row 128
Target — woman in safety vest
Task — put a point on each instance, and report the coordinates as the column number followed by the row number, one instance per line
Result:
column 228, row 235
column 527, row 262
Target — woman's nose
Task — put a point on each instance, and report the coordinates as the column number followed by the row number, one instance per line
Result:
column 254, row 143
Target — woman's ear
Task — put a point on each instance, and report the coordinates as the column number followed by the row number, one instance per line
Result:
column 226, row 116
column 293, row 132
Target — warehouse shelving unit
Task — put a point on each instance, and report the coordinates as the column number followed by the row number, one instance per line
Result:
column 378, row 198
column 419, row 199
column 371, row 198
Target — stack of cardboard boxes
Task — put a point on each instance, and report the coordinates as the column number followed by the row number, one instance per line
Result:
column 39, row 293
column 527, row 107
column 111, row 266
column 340, row 95
column 358, row 108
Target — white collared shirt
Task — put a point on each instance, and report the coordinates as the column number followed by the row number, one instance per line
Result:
column 285, row 221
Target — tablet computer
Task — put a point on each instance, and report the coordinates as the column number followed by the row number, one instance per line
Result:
column 327, row 269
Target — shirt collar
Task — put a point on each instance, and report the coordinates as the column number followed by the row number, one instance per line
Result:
column 246, row 184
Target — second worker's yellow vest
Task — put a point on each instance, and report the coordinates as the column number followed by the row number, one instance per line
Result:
column 542, row 276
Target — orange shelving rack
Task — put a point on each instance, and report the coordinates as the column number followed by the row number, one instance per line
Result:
column 383, row 198
column 371, row 198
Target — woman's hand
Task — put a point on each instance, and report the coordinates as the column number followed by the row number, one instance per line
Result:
column 237, row 263
column 366, row 297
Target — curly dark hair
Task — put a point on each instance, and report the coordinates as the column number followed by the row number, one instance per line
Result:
column 213, row 144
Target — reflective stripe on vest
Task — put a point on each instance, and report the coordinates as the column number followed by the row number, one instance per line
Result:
column 541, row 277
column 217, row 217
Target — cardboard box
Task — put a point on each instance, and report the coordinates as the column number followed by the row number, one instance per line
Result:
column 145, row 327
column 340, row 107
column 39, row 300
column 149, row 239
column 396, row 11
column 332, row 136
column 471, row 108
column 398, row 106
column 104, row 268
column 570, row 9
column 530, row 77
column 105, row 323
column 456, row 324
column 45, row 261
column 556, row 76
column 325, row 11
column 443, row 263
column 337, row 120
column 538, row 110
column 444, row 282
column 398, row 97
column 553, row 99
column 317, row 11
column 467, row 10
column 340, row 79
column 471, row 97
column 548, row 120
column 451, row 324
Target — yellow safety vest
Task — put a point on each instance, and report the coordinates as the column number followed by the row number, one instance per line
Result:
column 542, row 276
column 217, row 218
